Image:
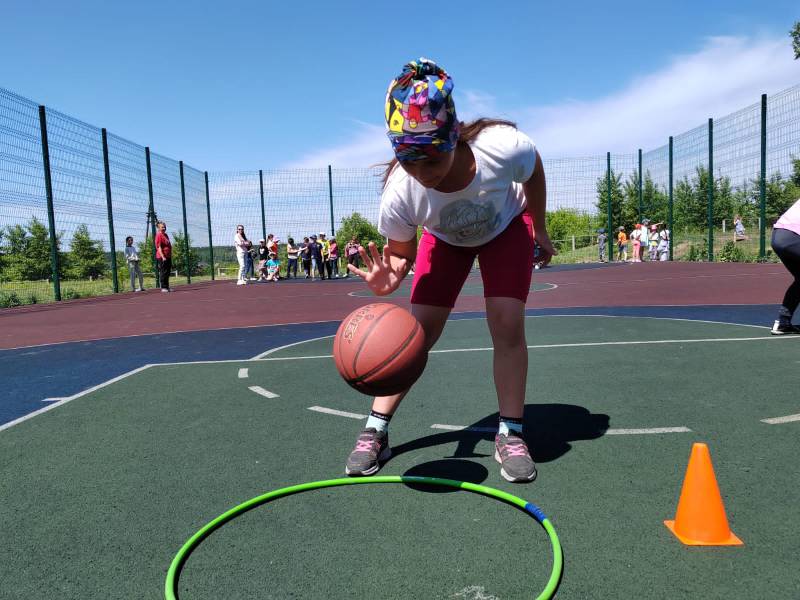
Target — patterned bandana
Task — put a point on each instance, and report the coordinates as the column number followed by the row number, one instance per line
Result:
column 420, row 113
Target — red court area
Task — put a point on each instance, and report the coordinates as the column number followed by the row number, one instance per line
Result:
column 222, row 304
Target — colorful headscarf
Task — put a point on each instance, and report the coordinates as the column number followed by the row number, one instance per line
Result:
column 420, row 113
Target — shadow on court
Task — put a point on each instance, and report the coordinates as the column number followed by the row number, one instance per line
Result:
column 550, row 430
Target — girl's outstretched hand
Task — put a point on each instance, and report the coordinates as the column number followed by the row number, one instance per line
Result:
column 382, row 274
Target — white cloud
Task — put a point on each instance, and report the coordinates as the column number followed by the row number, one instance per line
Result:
column 727, row 74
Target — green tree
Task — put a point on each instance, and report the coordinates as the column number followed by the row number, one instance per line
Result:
column 691, row 200
column 795, row 33
column 178, row 255
column 146, row 255
column 617, row 197
column 564, row 223
column 356, row 226
column 27, row 252
column 87, row 259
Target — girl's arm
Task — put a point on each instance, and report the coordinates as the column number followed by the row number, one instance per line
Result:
column 384, row 274
column 536, row 196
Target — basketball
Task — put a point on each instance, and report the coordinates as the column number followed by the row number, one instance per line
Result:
column 379, row 349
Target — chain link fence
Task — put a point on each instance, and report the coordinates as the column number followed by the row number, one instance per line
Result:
column 71, row 194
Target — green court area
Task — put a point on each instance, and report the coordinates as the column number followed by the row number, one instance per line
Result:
column 99, row 494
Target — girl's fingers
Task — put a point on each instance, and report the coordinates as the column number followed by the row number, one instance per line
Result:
column 365, row 257
column 357, row 271
column 373, row 250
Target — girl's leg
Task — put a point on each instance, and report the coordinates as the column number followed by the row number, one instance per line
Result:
column 132, row 271
column 372, row 446
column 506, row 319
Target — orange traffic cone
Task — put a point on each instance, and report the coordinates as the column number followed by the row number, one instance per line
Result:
column 701, row 520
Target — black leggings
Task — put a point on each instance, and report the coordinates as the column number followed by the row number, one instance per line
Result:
column 787, row 246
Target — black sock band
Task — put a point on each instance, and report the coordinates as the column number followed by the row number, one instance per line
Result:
column 381, row 416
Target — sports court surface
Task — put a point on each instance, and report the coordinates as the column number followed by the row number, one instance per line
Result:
column 128, row 423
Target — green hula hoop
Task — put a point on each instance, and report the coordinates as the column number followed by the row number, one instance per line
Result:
column 173, row 574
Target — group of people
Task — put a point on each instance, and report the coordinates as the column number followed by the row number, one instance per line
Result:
column 318, row 255
column 163, row 247
column 649, row 241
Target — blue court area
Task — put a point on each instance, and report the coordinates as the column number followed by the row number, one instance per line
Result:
column 33, row 376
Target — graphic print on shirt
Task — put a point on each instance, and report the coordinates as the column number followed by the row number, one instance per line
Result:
column 465, row 220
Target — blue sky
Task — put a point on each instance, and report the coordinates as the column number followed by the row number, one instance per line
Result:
column 249, row 85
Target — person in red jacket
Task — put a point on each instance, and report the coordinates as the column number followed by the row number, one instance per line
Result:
column 163, row 255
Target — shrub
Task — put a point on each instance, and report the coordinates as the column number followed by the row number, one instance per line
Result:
column 9, row 300
column 732, row 253
column 70, row 294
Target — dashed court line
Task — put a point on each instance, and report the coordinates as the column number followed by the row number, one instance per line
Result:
column 244, row 373
column 650, row 430
column 338, row 413
column 779, row 420
column 262, row 392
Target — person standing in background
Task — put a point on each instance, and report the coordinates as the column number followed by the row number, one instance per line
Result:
column 163, row 255
column 325, row 247
column 291, row 256
column 602, row 240
column 786, row 243
column 351, row 250
column 305, row 255
column 132, row 256
column 333, row 258
column 241, row 244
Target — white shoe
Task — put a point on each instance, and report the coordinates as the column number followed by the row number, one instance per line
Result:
column 164, row 291
column 241, row 282
column 138, row 290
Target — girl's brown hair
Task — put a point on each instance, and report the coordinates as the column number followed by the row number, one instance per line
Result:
column 469, row 131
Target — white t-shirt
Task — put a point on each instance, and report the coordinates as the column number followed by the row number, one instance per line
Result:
column 505, row 159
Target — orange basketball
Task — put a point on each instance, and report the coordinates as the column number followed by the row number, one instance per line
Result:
column 379, row 349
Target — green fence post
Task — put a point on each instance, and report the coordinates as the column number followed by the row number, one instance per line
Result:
column 640, row 185
column 110, row 212
column 210, row 239
column 609, row 211
column 151, row 215
column 263, row 215
column 671, row 223
column 330, row 197
column 51, row 217
column 710, row 190
column 762, row 184
column 187, row 263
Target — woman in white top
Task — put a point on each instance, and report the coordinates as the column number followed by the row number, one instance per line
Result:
column 242, row 245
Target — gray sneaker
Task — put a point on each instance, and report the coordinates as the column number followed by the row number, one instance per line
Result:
column 371, row 449
column 515, row 460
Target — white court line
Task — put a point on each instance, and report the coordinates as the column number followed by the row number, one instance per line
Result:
column 262, row 392
column 338, row 413
column 778, row 420
column 54, row 399
column 464, row 428
column 268, row 352
column 243, row 373
column 71, row 398
column 648, row 430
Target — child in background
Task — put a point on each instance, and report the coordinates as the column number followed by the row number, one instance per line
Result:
column 663, row 243
column 602, row 240
column 305, row 255
column 273, row 268
column 654, row 242
column 477, row 189
column 636, row 240
column 132, row 256
column 325, row 249
column 351, row 250
column 622, row 245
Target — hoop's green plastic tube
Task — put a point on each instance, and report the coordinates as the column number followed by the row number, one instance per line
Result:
column 173, row 574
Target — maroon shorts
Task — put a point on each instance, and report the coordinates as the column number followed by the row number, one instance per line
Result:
column 506, row 264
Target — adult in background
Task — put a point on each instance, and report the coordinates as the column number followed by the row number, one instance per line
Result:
column 315, row 248
column 305, row 255
column 291, row 257
column 242, row 245
column 333, row 258
column 326, row 250
column 163, row 255
column 786, row 243
column 351, row 251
